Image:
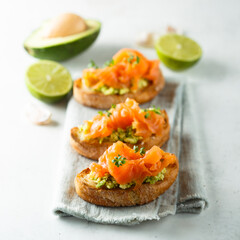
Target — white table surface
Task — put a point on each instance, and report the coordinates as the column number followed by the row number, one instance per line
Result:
column 29, row 153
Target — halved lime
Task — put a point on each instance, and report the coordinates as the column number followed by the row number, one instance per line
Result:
column 48, row 81
column 177, row 51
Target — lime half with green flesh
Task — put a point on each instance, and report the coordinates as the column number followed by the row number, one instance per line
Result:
column 178, row 52
column 48, row 81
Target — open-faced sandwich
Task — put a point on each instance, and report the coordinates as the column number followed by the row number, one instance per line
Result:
column 128, row 75
column 127, row 177
column 125, row 122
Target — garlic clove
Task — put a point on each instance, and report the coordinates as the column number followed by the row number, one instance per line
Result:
column 171, row 29
column 37, row 114
column 148, row 39
column 145, row 39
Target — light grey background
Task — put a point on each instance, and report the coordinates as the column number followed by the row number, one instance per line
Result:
column 29, row 154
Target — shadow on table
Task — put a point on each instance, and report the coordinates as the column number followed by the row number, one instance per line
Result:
column 98, row 53
column 210, row 69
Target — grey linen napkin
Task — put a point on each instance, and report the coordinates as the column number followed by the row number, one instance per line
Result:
column 185, row 195
column 191, row 193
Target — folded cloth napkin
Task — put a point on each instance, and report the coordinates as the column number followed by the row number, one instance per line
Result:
column 185, row 195
column 191, row 192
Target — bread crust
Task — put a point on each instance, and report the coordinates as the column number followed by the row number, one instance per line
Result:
column 93, row 149
column 101, row 101
column 117, row 197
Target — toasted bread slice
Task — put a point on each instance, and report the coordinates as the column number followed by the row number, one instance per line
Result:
column 101, row 101
column 117, row 197
column 93, row 149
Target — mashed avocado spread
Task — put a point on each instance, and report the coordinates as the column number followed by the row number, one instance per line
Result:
column 120, row 91
column 109, row 182
column 125, row 135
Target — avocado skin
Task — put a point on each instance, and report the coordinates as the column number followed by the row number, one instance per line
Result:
column 64, row 51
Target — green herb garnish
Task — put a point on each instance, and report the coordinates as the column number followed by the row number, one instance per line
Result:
column 119, row 160
column 142, row 151
column 109, row 63
column 155, row 110
column 132, row 61
column 113, row 105
column 131, row 57
column 147, row 115
column 137, row 60
column 135, row 148
column 107, row 112
column 92, row 64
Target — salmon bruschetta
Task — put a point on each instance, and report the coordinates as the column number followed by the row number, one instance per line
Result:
column 126, row 177
column 128, row 75
column 125, row 122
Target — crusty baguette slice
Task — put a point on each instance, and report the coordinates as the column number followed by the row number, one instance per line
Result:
column 101, row 101
column 93, row 149
column 117, row 197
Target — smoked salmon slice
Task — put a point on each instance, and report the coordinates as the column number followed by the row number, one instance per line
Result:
column 134, row 165
column 127, row 68
column 145, row 122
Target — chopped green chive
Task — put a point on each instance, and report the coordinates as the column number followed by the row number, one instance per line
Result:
column 142, row 151
column 132, row 61
column 131, row 57
column 153, row 109
column 92, row 64
column 135, row 148
column 156, row 110
column 147, row 115
column 113, row 105
column 137, row 61
column 107, row 112
column 109, row 63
